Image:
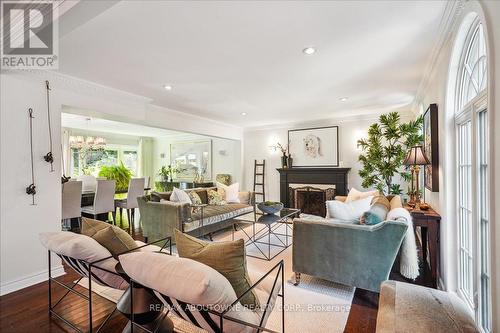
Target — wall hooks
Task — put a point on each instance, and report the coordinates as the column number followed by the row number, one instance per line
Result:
column 49, row 157
column 31, row 189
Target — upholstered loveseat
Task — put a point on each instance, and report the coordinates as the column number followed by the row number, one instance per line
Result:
column 160, row 216
column 346, row 252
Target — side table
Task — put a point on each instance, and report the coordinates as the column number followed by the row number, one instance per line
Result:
column 148, row 309
column 429, row 222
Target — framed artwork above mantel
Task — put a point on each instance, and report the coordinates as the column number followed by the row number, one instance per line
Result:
column 314, row 147
column 431, row 148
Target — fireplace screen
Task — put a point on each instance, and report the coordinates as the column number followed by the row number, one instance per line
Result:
column 310, row 200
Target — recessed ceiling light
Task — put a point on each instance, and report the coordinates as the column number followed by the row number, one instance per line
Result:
column 243, row 113
column 343, row 99
column 309, row 50
column 167, row 87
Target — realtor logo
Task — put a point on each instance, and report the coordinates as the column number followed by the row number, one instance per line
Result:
column 29, row 35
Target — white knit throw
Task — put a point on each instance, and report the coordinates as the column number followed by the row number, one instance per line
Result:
column 409, row 258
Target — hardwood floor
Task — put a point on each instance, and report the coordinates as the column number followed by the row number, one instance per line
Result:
column 26, row 310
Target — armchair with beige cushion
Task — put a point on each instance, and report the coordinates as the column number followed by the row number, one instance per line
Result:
column 160, row 216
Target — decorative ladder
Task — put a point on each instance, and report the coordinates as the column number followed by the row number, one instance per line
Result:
column 258, row 185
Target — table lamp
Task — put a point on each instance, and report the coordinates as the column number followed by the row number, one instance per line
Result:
column 415, row 158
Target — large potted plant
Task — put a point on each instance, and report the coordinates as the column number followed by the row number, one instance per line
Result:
column 385, row 149
column 120, row 173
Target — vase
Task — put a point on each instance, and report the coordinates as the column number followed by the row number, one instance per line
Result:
column 284, row 161
column 289, row 161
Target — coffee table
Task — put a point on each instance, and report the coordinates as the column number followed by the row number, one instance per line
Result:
column 270, row 224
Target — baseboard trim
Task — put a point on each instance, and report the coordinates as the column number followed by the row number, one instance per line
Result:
column 28, row 281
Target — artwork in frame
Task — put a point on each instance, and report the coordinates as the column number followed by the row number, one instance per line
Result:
column 314, row 147
column 431, row 148
column 192, row 158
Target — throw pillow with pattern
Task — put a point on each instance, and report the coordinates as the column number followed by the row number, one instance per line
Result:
column 215, row 198
column 196, row 200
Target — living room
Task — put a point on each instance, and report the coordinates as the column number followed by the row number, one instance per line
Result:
column 381, row 111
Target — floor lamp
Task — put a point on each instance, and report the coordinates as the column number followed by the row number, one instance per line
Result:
column 415, row 158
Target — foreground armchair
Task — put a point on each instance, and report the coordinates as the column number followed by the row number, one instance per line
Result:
column 202, row 296
column 89, row 260
column 356, row 255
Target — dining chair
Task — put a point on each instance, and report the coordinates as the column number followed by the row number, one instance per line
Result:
column 104, row 199
column 89, row 183
column 71, row 203
column 135, row 190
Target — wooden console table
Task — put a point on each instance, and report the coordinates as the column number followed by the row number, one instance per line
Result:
column 429, row 222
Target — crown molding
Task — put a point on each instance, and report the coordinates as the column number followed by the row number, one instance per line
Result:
column 80, row 86
column 372, row 116
column 447, row 26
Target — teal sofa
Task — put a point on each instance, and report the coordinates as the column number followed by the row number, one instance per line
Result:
column 356, row 255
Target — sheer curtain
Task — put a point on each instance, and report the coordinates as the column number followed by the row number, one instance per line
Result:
column 146, row 160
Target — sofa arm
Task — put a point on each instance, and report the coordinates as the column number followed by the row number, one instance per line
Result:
column 352, row 254
column 159, row 219
column 340, row 198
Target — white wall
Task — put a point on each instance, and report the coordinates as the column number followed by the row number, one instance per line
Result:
column 435, row 90
column 23, row 260
column 257, row 144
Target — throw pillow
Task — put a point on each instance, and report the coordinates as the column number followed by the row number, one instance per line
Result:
column 347, row 211
column 111, row 237
column 231, row 192
column 196, row 200
column 85, row 248
column 215, row 198
column 90, row 226
column 180, row 196
column 396, row 202
column 228, row 258
column 377, row 212
column 356, row 195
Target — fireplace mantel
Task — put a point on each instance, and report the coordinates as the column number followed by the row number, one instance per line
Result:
column 310, row 176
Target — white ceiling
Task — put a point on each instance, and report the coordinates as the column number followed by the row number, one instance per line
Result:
column 224, row 58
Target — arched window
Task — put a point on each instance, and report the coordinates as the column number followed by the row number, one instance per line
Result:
column 473, row 192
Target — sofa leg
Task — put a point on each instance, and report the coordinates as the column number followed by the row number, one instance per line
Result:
column 210, row 237
column 297, row 279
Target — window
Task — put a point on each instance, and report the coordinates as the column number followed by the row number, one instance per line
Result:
column 89, row 161
column 472, row 201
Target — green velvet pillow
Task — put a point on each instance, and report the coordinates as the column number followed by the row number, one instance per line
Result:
column 378, row 211
column 228, row 258
column 111, row 237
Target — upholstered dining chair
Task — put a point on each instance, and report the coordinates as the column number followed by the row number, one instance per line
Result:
column 71, row 202
column 135, row 190
column 104, row 199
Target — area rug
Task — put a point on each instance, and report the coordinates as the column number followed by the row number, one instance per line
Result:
column 315, row 305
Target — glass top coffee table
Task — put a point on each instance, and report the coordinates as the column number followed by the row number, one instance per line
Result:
column 270, row 234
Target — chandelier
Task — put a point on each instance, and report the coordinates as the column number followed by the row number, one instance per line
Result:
column 87, row 142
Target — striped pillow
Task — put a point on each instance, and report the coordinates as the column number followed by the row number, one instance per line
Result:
column 377, row 213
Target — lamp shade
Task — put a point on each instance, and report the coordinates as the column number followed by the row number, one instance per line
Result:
column 416, row 156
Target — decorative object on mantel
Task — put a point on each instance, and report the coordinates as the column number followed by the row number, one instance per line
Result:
column 167, row 173
column 415, row 158
column 49, row 157
column 284, row 156
column 314, row 147
column 431, row 148
column 385, row 150
column 31, row 189
column 270, row 207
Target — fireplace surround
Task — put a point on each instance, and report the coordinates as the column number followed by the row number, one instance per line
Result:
column 312, row 180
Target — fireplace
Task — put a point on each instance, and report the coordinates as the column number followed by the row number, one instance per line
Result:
column 310, row 199
column 315, row 178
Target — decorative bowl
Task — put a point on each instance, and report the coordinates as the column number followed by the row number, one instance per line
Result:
column 270, row 207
